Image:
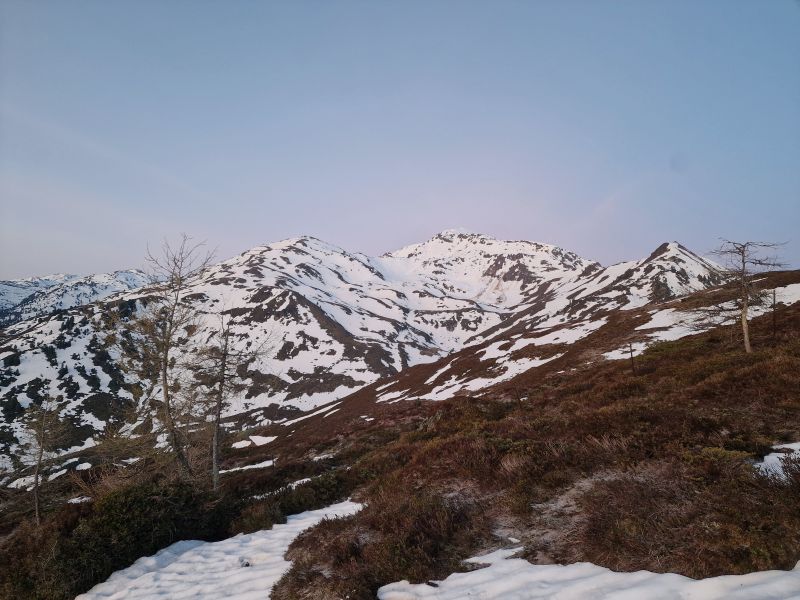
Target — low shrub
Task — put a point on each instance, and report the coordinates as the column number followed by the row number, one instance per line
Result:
column 70, row 554
column 322, row 490
column 397, row 536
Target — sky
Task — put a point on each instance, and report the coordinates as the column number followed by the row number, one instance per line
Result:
column 602, row 126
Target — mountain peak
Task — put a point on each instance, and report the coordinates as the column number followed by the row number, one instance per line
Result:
column 449, row 235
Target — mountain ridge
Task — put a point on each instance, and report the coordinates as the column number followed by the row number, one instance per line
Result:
column 336, row 321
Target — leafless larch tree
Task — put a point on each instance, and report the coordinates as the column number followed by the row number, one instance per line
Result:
column 744, row 261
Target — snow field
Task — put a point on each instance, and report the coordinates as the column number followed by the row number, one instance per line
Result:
column 244, row 567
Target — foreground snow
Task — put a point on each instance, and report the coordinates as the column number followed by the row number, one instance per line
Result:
column 517, row 579
column 244, row 567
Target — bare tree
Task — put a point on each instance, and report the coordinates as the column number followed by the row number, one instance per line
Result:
column 218, row 366
column 744, row 261
column 45, row 431
column 151, row 340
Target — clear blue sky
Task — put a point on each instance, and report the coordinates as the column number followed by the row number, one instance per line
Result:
column 605, row 127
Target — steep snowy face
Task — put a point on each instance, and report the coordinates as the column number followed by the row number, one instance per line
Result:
column 72, row 291
column 670, row 271
column 12, row 292
column 332, row 321
column 503, row 274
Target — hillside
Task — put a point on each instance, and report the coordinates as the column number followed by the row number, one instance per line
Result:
column 333, row 321
column 653, row 466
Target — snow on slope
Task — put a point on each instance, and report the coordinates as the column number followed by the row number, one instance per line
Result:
column 485, row 270
column 336, row 321
column 243, row 567
column 73, row 291
column 12, row 292
column 670, row 324
column 506, row 578
column 670, row 271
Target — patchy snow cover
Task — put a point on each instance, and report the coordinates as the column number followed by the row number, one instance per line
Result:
column 773, row 462
column 15, row 291
column 625, row 351
column 506, row 368
column 79, row 500
column 23, row 482
column 337, row 321
column 670, row 324
column 261, row 465
column 74, row 291
column 57, row 474
column 508, row 578
column 244, row 567
column 260, row 440
column 288, row 486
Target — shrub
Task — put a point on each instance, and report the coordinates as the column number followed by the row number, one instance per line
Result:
column 70, row 554
column 397, row 536
column 320, row 491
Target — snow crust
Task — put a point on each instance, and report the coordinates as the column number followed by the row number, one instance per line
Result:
column 244, row 567
column 516, row 579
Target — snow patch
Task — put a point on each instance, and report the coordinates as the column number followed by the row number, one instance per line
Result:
column 514, row 578
column 261, row 465
column 244, row 567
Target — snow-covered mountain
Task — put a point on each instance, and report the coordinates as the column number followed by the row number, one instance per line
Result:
column 334, row 321
column 14, row 291
column 51, row 294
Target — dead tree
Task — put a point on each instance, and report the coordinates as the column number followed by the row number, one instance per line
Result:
column 44, row 434
column 218, row 366
column 744, row 261
column 163, row 325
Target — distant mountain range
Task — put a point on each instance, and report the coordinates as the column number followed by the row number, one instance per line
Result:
column 335, row 321
column 23, row 299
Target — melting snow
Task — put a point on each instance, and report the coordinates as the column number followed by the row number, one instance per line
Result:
column 22, row 482
column 79, row 500
column 260, row 440
column 671, row 324
column 244, row 567
column 261, row 465
column 516, row 579
column 56, row 475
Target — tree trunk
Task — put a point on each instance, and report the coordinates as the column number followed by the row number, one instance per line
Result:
column 774, row 318
column 37, row 470
column 745, row 307
column 168, row 420
column 218, row 413
column 36, row 485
